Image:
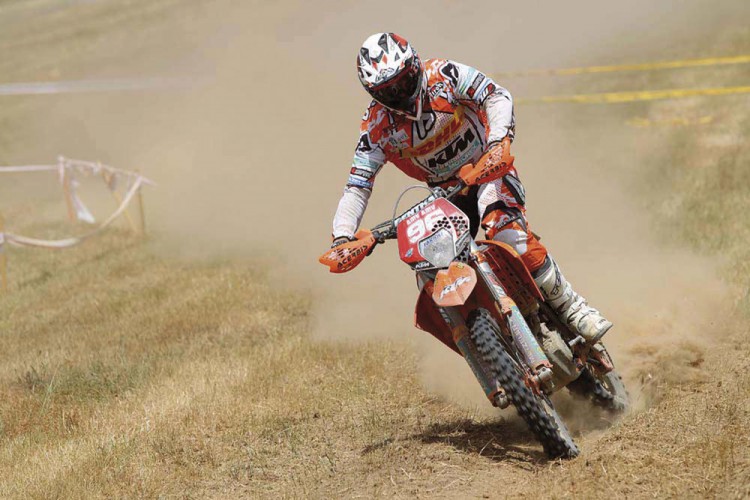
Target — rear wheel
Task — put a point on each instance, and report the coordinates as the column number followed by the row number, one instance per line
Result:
column 605, row 390
column 536, row 410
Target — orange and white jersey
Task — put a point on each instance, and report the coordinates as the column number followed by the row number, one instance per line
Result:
column 465, row 110
column 454, row 128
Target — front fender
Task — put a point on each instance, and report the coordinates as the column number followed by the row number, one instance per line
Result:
column 453, row 286
column 427, row 317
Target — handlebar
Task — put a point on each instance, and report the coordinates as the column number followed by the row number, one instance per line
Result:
column 495, row 163
column 387, row 230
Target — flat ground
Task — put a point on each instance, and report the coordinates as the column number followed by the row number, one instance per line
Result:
column 128, row 368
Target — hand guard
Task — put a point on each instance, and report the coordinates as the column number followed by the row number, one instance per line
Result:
column 347, row 255
column 494, row 164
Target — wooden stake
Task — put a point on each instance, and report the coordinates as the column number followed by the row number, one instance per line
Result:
column 140, row 208
column 72, row 217
column 118, row 199
column 3, row 258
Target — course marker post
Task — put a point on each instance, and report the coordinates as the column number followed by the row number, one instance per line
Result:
column 65, row 180
column 141, row 211
column 3, row 257
column 118, row 199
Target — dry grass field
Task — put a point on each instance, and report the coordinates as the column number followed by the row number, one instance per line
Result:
column 131, row 369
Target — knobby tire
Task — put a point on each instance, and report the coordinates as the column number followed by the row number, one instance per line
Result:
column 537, row 411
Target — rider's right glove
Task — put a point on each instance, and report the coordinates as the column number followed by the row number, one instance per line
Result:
column 341, row 240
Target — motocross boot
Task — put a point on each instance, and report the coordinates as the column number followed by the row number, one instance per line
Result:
column 570, row 307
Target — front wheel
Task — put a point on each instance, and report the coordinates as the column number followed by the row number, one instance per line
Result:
column 537, row 410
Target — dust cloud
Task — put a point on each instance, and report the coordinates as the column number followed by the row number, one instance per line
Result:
column 668, row 304
column 253, row 161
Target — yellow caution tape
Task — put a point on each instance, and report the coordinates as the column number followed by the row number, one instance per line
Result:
column 670, row 122
column 634, row 96
column 685, row 63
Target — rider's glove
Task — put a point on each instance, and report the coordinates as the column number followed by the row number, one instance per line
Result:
column 502, row 146
column 340, row 241
column 497, row 157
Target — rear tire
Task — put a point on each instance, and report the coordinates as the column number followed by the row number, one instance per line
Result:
column 538, row 412
column 605, row 390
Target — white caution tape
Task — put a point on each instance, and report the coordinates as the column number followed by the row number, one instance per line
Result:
column 115, row 85
column 26, row 241
column 69, row 169
column 28, row 168
column 82, row 166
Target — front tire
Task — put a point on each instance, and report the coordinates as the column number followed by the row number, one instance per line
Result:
column 536, row 410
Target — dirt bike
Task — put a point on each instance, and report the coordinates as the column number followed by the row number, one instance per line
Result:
column 479, row 299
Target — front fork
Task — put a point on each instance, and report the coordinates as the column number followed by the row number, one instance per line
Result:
column 540, row 375
column 462, row 339
column 523, row 338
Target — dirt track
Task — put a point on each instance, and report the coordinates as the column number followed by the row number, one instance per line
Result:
column 199, row 363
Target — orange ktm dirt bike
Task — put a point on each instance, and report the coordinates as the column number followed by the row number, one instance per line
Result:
column 478, row 298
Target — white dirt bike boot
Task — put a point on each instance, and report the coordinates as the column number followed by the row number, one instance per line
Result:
column 570, row 307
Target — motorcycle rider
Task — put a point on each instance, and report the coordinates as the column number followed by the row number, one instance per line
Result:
column 429, row 118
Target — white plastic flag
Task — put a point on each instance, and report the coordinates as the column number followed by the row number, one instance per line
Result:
column 82, row 212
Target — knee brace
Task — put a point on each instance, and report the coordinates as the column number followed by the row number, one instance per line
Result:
column 497, row 219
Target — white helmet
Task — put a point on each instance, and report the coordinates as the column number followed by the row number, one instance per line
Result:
column 392, row 73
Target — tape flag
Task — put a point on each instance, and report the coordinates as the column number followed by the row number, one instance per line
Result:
column 684, row 63
column 635, row 96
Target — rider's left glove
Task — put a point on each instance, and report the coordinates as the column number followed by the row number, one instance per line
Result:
column 340, row 241
column 502, row 147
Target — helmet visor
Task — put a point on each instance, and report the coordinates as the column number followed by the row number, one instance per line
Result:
column 400, row 92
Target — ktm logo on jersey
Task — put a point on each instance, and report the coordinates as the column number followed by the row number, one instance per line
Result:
column 453, row 149
column 440, row 138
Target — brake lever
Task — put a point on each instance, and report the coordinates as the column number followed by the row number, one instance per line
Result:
column 455, row 190
column 382, row 236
